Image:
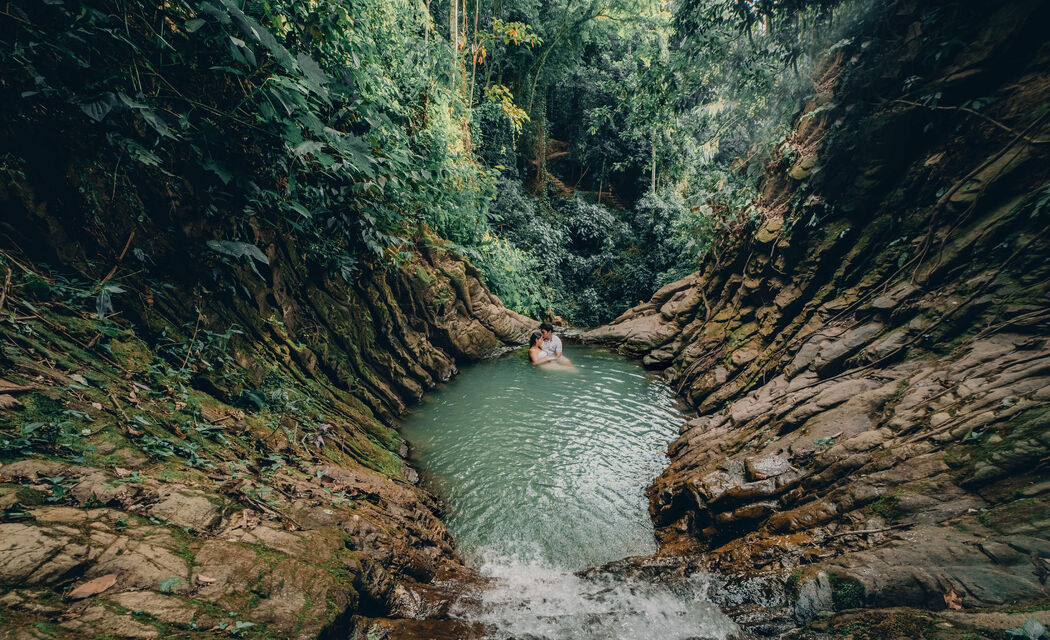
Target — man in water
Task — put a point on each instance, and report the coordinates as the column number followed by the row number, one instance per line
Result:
column 550, row 344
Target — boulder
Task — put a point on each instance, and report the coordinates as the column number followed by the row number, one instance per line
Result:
column 637, row 335
column 98, row 620
column 186, row 508
column 32, row 555
column 166, row 608
column 803, row 167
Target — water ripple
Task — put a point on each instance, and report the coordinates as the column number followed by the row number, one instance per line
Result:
column 547, row 465
column 544, row 472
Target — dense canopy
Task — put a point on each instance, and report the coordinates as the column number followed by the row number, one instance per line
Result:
column 579, row 153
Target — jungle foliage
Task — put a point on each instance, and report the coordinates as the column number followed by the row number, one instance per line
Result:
column 624, row 175
column 577, row 152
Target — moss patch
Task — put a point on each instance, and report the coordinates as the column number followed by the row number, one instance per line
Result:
column 846, row 593
column 792, row 585
column 885, row 625
column 131, row 353
column 888, row 508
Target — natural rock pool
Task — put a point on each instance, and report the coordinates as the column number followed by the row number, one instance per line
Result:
column 544, row 470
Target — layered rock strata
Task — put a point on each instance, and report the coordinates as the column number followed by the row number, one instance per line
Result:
column 218, row 457
column 872, row 368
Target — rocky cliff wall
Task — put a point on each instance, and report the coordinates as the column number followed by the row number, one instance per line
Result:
column 872, row 368
column 197, row 442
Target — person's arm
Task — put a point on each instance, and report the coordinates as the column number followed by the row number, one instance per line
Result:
column 562, row 359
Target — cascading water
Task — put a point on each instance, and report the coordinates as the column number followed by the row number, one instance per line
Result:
column 544, row 471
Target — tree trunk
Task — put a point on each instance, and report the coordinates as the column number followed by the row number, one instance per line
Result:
column 652, row 178
column 453, row 36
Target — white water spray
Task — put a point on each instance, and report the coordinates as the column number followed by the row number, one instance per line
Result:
column 527, row 600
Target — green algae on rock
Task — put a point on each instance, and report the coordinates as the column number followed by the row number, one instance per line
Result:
column 252, row 479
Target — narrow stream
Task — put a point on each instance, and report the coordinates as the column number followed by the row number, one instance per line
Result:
column 544, row 471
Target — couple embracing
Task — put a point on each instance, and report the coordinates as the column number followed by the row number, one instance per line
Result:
column 545, row 347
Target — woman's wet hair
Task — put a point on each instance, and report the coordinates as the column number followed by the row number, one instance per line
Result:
column 535, row 338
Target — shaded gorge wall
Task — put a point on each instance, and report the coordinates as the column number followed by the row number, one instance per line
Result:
column 871, row 367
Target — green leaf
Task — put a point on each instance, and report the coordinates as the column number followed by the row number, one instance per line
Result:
column 212, row 10
column 168, row 584
column 311, row 122
column 103, row 303
column 316, row 77
column 242, row 52
column 223, row 174
column 238, row 249
column 300, row 209
column 157, row 122
column 307, row 147
column 27, row 429
column 230, row 70
column 193, row 25
column 276, row 94
column 99, row 107
column 130, row 103
column 250, row 28
column 267, row 110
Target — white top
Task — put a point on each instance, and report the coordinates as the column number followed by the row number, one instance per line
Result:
column 551, row 347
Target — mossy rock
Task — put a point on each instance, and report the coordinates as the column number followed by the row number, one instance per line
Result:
column 888, row 508
column 846, row 592
column 131, row 353
column 883, row 625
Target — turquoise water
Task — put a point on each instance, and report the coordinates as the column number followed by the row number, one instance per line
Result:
column 543, row 471
column 547, row 465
